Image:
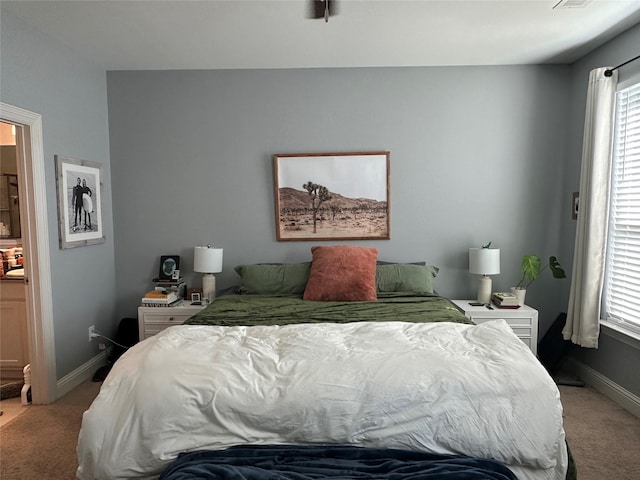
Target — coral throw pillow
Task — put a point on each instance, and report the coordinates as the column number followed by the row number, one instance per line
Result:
column 342, row 273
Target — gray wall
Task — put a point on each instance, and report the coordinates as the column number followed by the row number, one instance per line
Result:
column 613, row 358
column 70, row 93
column 191, row 164
column 476, row 155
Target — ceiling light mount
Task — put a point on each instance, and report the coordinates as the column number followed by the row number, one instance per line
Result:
column 322, row 9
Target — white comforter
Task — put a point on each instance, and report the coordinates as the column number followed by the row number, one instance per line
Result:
column 440, row 387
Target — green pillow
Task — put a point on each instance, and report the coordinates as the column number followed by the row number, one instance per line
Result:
column 382, row 262
column 274, row 279
column 403, row 277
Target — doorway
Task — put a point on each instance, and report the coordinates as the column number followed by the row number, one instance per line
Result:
column 14, row 352
column 35, row 244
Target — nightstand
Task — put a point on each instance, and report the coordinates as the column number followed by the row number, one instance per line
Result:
column 523, row 321
column 152, row 320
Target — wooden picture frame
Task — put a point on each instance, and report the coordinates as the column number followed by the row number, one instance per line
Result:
column 332, row 196
column 80, row 191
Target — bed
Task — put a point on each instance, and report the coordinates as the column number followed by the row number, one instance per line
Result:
column 345, row 356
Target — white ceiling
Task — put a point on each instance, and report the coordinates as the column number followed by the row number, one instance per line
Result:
column 213, row 34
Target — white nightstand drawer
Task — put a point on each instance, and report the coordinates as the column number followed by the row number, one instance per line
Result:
column 512, row 321
column 152, row 320
column 151, row 330
column 521, row 331
column 516, row 321
column 171, row 319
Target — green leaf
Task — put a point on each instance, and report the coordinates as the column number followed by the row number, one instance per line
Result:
column 556, row 270
column 530, row 267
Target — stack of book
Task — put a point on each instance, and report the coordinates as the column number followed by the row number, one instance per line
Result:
column 160, row 298
column 505, row 300
column 176, row 285
column 171, row 281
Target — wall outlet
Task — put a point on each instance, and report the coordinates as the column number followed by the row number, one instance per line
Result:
column 92, row 332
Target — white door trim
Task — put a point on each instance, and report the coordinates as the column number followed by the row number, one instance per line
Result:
column 35, row 243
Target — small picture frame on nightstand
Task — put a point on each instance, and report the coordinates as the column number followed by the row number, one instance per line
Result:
column 196, row 298
column 168, row 265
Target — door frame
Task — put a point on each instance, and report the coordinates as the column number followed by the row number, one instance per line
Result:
column 35, row 244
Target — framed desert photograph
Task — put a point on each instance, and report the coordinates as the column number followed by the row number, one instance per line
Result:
column 332, row 196
column 79, row 186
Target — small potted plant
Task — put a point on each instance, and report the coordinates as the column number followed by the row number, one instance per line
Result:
column 531, row 268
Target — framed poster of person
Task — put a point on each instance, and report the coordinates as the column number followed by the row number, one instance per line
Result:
column 80, row 191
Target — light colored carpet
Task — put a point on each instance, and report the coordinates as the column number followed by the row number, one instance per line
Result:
column 603, row 437
column 41, row 443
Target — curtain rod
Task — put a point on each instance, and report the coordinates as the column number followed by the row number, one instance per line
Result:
column 609, row 72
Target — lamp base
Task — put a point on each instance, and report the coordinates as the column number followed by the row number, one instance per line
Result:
column 209, row 287
column 484, row 289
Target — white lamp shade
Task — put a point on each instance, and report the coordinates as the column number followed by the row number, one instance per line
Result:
column 484, row 261
column 207, row 259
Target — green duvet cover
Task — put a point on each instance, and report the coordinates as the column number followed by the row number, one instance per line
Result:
column 232, row 310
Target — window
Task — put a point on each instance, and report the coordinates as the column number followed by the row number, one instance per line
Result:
column 621, row 294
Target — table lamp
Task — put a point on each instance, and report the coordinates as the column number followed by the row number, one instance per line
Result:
column 485, row 262
column 208, row 260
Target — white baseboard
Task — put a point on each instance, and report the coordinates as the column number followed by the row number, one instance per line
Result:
column 81, row 374
column 607, row 387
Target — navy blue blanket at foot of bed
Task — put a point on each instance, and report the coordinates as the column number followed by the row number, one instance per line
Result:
column 279, row 462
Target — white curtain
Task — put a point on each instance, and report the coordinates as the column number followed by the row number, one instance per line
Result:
column 583, row 314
